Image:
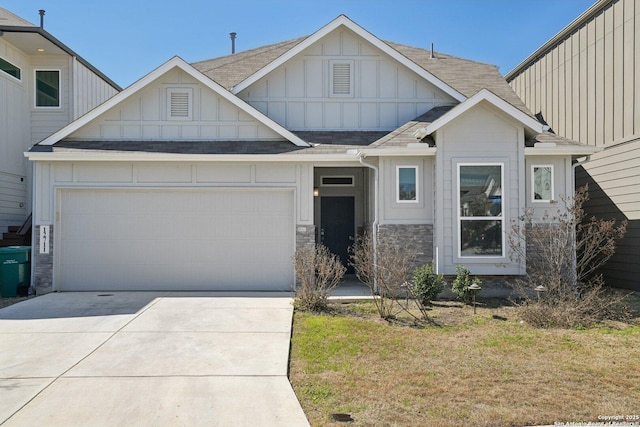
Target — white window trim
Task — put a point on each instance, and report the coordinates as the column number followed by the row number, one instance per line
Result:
column 500, row 218
column 9, row 75
column 352, row 177
column 35, row 90
column 189, row 92
column 416, row 169
column 351, row 64
column 533, row 184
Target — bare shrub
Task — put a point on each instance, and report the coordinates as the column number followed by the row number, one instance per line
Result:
column 563, row 250
column 386, row 271
column 318, row 272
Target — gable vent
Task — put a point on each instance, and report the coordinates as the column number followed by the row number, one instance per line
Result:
column 341, row 78
column 179, row 104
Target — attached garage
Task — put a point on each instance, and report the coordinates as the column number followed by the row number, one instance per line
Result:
column 174, row 239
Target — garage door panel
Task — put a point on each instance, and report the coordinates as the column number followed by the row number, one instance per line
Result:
column 175, row 240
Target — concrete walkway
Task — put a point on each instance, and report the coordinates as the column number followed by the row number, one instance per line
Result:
column 147, row 359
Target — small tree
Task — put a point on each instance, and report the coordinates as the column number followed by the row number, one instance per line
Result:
column 461, row 283
column 563, row 250
column 318, row 272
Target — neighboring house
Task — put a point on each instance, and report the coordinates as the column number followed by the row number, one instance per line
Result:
column 209, row 176
column 585, row 82
column 44, row 86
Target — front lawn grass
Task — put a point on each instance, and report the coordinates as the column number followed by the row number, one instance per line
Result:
column 484, row 370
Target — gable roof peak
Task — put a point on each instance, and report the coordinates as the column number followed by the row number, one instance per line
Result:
column 343, row 20
column 174, row 62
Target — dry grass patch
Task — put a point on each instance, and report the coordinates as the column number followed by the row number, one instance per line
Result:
column 483, row 370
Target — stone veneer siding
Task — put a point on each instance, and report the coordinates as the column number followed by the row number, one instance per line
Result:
column 43, row 271
column 305, row 236
column 416, row 238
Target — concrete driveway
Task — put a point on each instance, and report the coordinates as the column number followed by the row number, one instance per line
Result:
column 140, row 358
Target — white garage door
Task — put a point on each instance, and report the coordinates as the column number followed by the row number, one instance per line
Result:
column 175, row 240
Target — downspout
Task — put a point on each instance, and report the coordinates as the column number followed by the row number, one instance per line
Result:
column 574, row 261
column 374, row 233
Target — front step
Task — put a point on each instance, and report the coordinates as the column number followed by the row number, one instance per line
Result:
column 14, row 228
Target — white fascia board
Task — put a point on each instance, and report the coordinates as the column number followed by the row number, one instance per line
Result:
column 485, row 95
column 120, row 156
column 348, row 23
column 176, row 61
column 398, row 152
column 562, row 150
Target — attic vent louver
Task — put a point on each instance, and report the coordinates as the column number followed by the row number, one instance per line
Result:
column 179, row 104
column 341, row 78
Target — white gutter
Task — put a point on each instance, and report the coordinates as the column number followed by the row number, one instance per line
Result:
column 374, row 233
column 139, row 156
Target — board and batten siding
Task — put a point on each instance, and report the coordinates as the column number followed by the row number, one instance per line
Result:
column 52, row 175
column 89, row 89
column 385, row 95
column 482, row 135
column 586, row 84
column 143, row 116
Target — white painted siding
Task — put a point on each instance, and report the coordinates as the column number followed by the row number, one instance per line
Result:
column 385, row 94
column 89, row 90
column 393, row 212
column 13, row 194
column 45, row 121
column 143, row 116
column 481, row 135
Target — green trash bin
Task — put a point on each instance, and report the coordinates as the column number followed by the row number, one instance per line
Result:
column 15, row 269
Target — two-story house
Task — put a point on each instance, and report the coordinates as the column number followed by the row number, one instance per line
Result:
column 44, row 85
column 585, row 82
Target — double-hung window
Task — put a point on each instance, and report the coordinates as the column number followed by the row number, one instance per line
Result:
column 480, row 210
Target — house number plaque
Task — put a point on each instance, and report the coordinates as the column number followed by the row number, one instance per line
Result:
column 44, row 239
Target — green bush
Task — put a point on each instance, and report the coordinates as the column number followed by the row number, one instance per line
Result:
column 461, row 284
column 426, row 284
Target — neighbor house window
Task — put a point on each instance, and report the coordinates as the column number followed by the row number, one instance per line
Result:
column 480, row 208
column 407, row 179
column 542, row 183
column 10, row 69
column 47, row 88
column 341, row 78
column 179, row 105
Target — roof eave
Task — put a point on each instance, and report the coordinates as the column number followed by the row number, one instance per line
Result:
column 164, row 68
column 42, row 32
column 562, row 150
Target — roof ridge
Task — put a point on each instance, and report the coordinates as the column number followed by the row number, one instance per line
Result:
column 448, row 55
column 241, row 56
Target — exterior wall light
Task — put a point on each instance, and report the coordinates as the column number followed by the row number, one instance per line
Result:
column 316, row 192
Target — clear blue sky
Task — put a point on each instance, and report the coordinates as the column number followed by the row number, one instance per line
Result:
column 128, row 39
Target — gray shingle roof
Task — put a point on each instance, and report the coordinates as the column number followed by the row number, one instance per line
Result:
column 403, row 136
column 10, row 20
column 466, row 76
column 230, row 70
